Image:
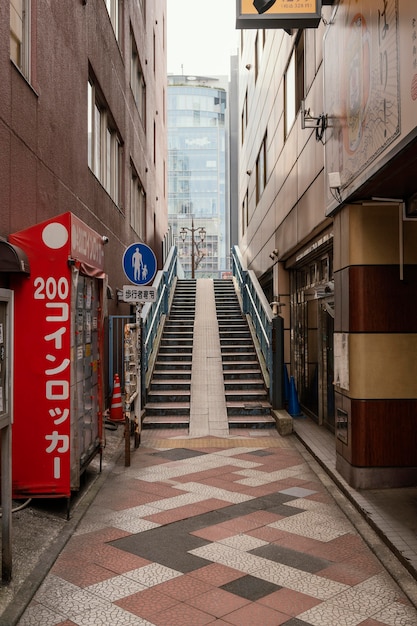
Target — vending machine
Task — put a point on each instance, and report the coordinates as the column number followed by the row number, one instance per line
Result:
column 59, row 312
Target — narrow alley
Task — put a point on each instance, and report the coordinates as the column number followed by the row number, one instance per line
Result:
column 216, row 525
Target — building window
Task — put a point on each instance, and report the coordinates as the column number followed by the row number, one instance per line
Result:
column 113, row 8
column 294, row 84
column 104, row 145
column 244, row 116
column 137, row 205
column 259, row 48
column 245, row 212
column 20, row 35
column 137, row 81
column 261, row 170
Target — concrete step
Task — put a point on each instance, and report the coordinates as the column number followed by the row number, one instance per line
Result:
column 173, row 374
column 170, row 364
column 246, row 396
column 179, row 357
column 251, row 421
column 250, row 407
column 239, row 355
column 245, row 384
column 170, row 384
column 156, row 409
column 166, row 421
column 162, row 396
column 251, row 373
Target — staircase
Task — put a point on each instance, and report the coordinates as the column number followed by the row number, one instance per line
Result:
column 246, row 394
column 168, row 400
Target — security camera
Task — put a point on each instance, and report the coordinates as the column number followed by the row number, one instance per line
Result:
column 105, row 239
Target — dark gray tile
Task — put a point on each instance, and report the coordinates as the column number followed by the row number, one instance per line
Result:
column 250, row 588
column 261, row 453
column 178, row 454
column 292, row 558
column 167, row 545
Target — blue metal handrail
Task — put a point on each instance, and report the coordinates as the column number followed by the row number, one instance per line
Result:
column 256, row 306
column 152, row 313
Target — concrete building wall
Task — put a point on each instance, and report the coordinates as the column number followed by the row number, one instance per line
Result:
column 343, row 254
column 44, row 129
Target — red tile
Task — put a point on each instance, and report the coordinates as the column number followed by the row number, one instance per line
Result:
column 256, row 614
column 289, row 602
column 173, row 515
column 182, row 615
column 213, row 504
column 146, row 603
column 183, row 587
column 297, row 542
column 81, row 573
column 344, row 573
column 239, row 525
column 216, row 574
column 218, row 602
column 266, row 533
column 214, row 533
column 262, row 518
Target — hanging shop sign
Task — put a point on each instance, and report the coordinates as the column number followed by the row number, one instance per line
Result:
column 285, row 14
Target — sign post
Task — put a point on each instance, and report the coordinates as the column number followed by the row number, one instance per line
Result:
column 139, row 266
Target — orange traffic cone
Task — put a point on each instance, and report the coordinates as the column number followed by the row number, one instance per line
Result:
column 116, row 410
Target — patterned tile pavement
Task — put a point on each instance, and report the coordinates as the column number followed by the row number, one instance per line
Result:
column 230, row 530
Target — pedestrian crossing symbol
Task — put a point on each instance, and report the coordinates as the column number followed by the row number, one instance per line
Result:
column 139, row 263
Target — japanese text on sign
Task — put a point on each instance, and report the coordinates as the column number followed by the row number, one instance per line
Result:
column 55, row 292
column 139, row 294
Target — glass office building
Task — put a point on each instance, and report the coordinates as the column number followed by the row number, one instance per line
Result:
column 197, row 173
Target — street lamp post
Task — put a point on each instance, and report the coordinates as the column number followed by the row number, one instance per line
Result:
column 194, row 244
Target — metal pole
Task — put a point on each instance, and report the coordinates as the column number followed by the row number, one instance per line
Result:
column 278, row 362
column 139, row 372
column 192, row 250
column 6, row 501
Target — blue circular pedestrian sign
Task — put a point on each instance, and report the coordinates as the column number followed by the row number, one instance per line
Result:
column 139, row 263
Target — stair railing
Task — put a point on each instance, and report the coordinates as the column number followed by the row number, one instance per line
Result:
column 256, row 306
column 153, row 313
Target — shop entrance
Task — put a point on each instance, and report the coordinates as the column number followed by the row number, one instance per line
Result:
column 312, row 328
column 326, row 365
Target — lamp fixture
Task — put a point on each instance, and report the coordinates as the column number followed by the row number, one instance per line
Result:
column 248, row 172
column 195, row 251
column 308, row 120
column 248, row 66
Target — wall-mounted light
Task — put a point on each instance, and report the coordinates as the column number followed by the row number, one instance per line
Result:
column 248, row 172
column 274, row 254
column 248, row 66
column 308, row 120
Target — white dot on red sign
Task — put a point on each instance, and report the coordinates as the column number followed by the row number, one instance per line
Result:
column 55, row 236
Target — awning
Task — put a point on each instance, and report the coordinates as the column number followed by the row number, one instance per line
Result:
column 13, row 259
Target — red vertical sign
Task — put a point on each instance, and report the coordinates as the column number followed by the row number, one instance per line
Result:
column 42, row 445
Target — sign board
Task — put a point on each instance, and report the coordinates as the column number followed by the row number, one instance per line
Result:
column 139, row 263
column 57, row 398
column 139, row 294
column 285, row 14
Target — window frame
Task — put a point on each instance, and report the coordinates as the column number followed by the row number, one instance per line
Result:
column 137, row 204
column 22, row 58
column 261, row 170
column 104, row 144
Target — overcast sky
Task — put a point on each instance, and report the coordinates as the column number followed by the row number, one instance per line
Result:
column 201, row 36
